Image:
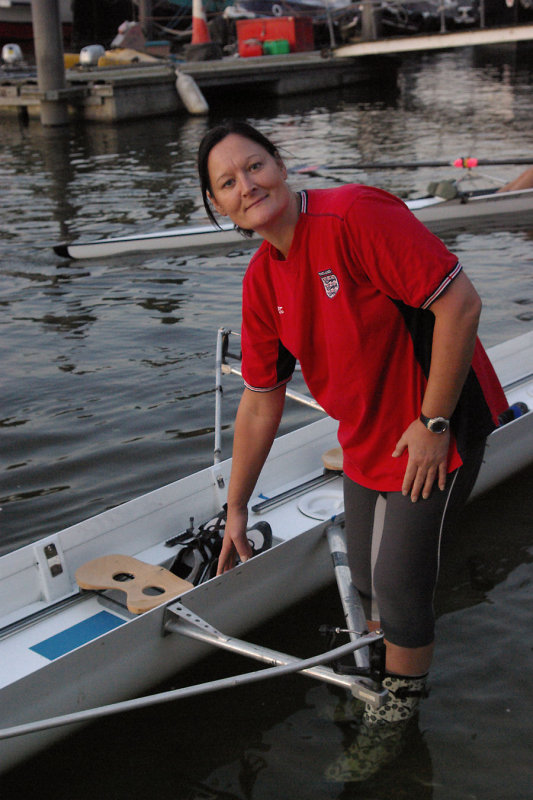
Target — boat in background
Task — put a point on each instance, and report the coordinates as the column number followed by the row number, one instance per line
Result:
column 426, row 16
column 397, row 17
column 465, row 209
column 64, row 651
column 317, row 10
column 16, row 21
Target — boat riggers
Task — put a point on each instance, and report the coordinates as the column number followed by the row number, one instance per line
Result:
column 182, row 621
column 363, row 681
column 179, row 619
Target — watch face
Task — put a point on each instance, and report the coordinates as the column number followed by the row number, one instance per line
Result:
column 438, row 425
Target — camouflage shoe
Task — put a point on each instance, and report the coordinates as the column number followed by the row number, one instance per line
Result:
column 403, row 700
column 374, row 747
column 346, row 709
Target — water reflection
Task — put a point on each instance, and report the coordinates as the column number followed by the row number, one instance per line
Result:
column 75, row 323
column 107, row 392
column 108, row 321
column 481, row 558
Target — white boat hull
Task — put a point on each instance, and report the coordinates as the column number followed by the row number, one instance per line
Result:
column 463, row 212
column 50, row 664
column 438, row 214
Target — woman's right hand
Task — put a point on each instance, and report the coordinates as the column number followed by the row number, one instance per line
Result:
column 235, row 542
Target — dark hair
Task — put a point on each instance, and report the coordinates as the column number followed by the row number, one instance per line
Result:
column 212, row 138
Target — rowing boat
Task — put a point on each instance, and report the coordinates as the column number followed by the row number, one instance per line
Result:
column 64, row 651
column 437, row 213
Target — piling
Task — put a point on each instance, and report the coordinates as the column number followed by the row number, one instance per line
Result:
column 370, row 21
column 48, row 41
column 145, row 17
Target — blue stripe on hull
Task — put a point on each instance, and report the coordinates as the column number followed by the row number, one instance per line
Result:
column 77, row 635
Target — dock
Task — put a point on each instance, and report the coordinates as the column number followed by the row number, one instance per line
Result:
column 115, row 94
column 119, row 93
column 438, row 41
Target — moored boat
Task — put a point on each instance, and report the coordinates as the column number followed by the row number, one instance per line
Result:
column 466, row 209
column 63, row 651
column 421, row 16
column 16, row 19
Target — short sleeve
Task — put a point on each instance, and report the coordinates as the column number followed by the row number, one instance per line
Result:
column 395, row 252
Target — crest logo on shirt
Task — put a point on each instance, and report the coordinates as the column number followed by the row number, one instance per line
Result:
column 330, row 281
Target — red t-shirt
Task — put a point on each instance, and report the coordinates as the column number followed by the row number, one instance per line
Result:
column 350, row 303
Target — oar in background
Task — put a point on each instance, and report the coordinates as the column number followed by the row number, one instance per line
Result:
column 463, row 162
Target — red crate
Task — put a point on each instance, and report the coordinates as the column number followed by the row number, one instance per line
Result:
column 298, row 31
column 250, row 47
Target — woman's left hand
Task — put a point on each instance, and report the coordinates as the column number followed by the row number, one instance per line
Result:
column 428, row 459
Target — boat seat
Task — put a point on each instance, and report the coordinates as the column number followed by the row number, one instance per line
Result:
column 146, row 585
column 332, row 459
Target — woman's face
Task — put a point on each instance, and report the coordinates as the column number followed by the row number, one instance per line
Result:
column 248, row 184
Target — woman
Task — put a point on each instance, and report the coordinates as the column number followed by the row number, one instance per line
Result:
column 384, row 323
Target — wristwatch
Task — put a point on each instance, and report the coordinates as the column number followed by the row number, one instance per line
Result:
column 435, row 424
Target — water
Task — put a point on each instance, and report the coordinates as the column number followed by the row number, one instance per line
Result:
column 108, row 392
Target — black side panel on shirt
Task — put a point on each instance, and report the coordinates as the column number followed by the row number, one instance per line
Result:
column 471, row 421
column 285, row 363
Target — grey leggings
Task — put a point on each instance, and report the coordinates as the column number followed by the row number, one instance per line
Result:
column 394, row 552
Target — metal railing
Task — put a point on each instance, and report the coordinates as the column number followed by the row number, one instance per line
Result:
column 222, row 367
